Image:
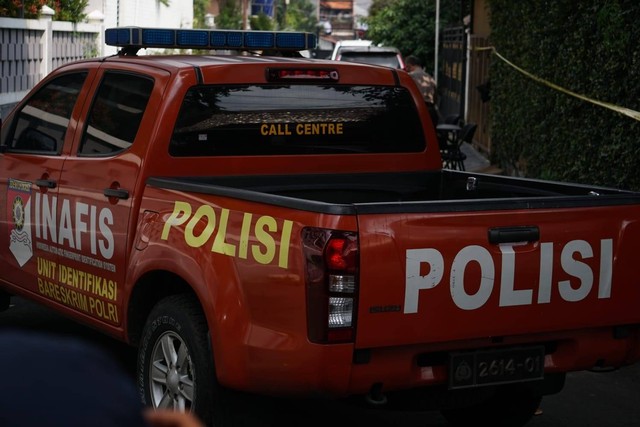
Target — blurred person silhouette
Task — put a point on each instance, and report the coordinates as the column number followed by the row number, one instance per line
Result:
column 58, row 381
column 426, row 83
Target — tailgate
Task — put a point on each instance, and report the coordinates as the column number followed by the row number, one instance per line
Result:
column 434, row 277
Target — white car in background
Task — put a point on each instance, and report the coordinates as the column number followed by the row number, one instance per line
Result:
column 386, row 56
column 342, row 44
column 366, row 52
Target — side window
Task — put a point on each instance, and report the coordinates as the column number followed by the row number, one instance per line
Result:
column 116, row 114
column 40, row 126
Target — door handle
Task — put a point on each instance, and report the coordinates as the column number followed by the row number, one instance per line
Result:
column 47, row 183
column 116, row 192
column 499, row 235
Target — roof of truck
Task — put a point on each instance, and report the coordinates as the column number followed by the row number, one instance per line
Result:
column 183, row 60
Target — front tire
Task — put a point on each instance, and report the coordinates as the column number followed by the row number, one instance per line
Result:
column 175, row 362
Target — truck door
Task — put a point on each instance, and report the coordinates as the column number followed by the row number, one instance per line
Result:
column 97, row 188
column 35, row 142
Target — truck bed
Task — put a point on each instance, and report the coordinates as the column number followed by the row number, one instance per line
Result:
column 506, row 256
column 445, row 190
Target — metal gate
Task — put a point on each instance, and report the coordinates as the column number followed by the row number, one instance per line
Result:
column 452, row 72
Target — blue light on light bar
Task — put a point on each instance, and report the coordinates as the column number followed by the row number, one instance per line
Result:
column 234, row 39
column 117, row 36
column 159, row 38
column 193, row 38
column 218, row 39
column 287, row 41
column 138, row 37
column 260, row 40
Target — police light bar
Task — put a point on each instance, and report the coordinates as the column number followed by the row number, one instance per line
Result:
column 137, row 37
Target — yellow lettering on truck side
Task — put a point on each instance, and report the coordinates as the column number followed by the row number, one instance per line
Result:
column 244, row 235
column 181, row 213
column 271, row 242
column 266, row 239
column 210, row 215
column 285, row 239
column 219, row 244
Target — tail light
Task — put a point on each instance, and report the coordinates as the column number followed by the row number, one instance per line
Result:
column 332, row 284
column 302, row 74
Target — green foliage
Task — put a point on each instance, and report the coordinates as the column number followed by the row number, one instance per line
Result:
column 588, row 47
column 300, row 15
column 261, row 22
column 230, row 17
column 14, row 8
column 65, row 10
column 378, row 5
column 68, row 10
column 199, row 11
column 410, row 25
column 91, row 50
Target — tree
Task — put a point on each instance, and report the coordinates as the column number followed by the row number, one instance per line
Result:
column 65, row 10
column 261, row 22
column 230, row 16
column 68, row 10
column 378, row 5
column 299, row 15
column 28, row 9
column 409, row 25
column 199, row 11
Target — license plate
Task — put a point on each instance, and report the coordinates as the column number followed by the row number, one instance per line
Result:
column 485, row 367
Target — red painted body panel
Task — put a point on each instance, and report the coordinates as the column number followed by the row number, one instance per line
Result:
column 503, row 295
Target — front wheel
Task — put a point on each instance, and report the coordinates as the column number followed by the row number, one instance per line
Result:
column 175, row 363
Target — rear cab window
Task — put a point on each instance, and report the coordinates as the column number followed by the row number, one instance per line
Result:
column 246, row 120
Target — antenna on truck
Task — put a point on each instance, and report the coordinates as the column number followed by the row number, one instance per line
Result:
column 132, row 39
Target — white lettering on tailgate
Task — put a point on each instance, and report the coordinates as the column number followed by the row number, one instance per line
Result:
column 425, row 270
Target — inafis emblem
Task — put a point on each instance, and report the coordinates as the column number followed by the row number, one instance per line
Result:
column 19, row 217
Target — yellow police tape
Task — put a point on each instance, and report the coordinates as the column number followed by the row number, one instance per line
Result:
column 622, row 110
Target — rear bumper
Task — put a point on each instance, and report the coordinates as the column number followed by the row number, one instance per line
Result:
column 339, row 371
column 419, row 366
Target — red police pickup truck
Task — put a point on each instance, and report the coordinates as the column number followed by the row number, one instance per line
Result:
column 283, row 226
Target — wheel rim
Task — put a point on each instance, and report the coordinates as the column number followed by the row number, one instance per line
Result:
column 171, row 374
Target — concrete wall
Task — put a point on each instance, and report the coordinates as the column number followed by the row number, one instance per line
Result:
column 143, row 13
column 32, row 48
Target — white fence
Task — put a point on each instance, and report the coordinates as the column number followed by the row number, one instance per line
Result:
column 32, row 48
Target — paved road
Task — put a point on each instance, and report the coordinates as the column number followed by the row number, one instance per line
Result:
column 588, row 400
